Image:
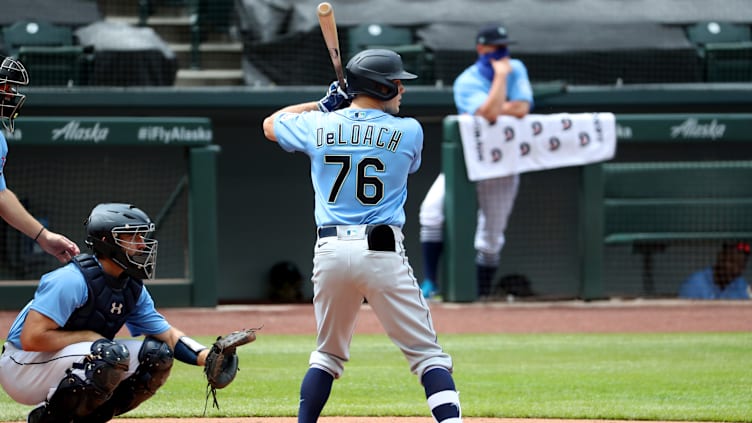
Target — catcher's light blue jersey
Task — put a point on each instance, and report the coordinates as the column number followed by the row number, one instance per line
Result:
column 471, row 87
column 63, row 290
column 359, row 159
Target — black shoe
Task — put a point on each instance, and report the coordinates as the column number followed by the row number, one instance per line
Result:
column 37, row 415
column 42, row 415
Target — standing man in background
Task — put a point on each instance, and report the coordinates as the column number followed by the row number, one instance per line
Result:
column 494, row 85
column 13, row 74
column 361, row 157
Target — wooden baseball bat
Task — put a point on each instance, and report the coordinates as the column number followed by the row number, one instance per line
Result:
column 329, row 31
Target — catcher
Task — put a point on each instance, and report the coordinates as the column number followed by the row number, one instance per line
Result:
column 61, row 353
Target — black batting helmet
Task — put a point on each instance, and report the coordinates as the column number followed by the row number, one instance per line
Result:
column 374, row 71
column 122, row 232
column 12, row 74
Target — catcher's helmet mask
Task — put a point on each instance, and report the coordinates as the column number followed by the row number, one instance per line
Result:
column 12, row 74
column 122, row 232
column 374, row 72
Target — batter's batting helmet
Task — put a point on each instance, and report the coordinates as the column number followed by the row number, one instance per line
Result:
column 12, row 74
column 374, row 71
column 122, row 233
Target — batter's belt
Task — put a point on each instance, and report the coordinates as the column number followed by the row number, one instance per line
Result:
column 380, row 237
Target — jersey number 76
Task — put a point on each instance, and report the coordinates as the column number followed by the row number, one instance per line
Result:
column 362, row 181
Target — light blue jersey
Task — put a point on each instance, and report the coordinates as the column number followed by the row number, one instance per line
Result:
column 3, row 155
column 471, row 87
column 360, row 160
column 700, row 286
column 63, row 290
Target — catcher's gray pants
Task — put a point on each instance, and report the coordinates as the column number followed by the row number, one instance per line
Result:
column 31, row 377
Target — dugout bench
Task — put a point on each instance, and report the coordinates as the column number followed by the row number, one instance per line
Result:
column 651, row 205
column 643, row 199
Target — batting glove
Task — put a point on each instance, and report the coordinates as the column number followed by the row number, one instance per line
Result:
column 336, row 98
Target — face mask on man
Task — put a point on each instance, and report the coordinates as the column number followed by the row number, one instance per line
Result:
column 484, row 61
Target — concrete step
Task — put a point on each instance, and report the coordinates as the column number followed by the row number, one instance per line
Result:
column 212, row 55
column 172, row 29
column 209, row 77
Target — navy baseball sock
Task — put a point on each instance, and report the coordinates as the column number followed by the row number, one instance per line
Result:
column 431, row 255
column 314, row 392
column 485, row 276
column 443, row 399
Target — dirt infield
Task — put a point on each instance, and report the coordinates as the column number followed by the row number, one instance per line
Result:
column 636, row 316
column 493, row 317
column 556, row 317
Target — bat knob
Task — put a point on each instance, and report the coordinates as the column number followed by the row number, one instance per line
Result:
column 324, row 8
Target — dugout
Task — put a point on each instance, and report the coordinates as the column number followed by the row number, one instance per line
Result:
column 264, row 203
column 64, row 166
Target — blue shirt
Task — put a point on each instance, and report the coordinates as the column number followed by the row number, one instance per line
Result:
column 471, row 87
column 700, row 286
column 3, row 155
column 360, row 162
column 63, row 290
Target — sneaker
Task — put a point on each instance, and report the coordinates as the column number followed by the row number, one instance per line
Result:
column 427, row 288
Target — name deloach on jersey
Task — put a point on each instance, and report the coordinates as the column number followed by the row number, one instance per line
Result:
column 368, row 137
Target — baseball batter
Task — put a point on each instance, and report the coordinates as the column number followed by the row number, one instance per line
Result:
column 494, row 85
column 361, row 156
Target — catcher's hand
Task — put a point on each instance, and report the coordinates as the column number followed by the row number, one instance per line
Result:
column 221, row 364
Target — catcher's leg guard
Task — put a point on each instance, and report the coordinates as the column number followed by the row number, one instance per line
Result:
column 155, row 362
column 76, row 397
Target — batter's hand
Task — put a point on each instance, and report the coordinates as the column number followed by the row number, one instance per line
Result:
column 58, row 246
column 336, row 98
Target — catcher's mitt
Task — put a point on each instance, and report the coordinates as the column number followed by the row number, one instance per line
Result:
column 221, row 364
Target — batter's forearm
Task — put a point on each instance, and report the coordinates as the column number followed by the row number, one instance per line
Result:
column 300, row 108
column 268, row 124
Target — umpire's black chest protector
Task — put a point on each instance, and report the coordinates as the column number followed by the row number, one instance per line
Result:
column 110, row 300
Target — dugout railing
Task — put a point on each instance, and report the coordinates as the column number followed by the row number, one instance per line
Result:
column 692, row 188
column 60, row 167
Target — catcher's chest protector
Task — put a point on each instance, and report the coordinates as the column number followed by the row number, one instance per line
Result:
column 110, row 301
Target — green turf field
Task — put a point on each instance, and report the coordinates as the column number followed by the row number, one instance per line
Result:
column 698, row 377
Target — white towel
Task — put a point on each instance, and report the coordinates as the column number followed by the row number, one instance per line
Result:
column 535, row 142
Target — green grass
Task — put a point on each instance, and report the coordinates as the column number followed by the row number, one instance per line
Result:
column 698, row 377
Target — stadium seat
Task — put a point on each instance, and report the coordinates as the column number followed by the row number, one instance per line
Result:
column 48, row 51
column 35, row 33
column 54, row 66
column 703, row 33
column 724, row 49
column 374, row 35
column 728, row 62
